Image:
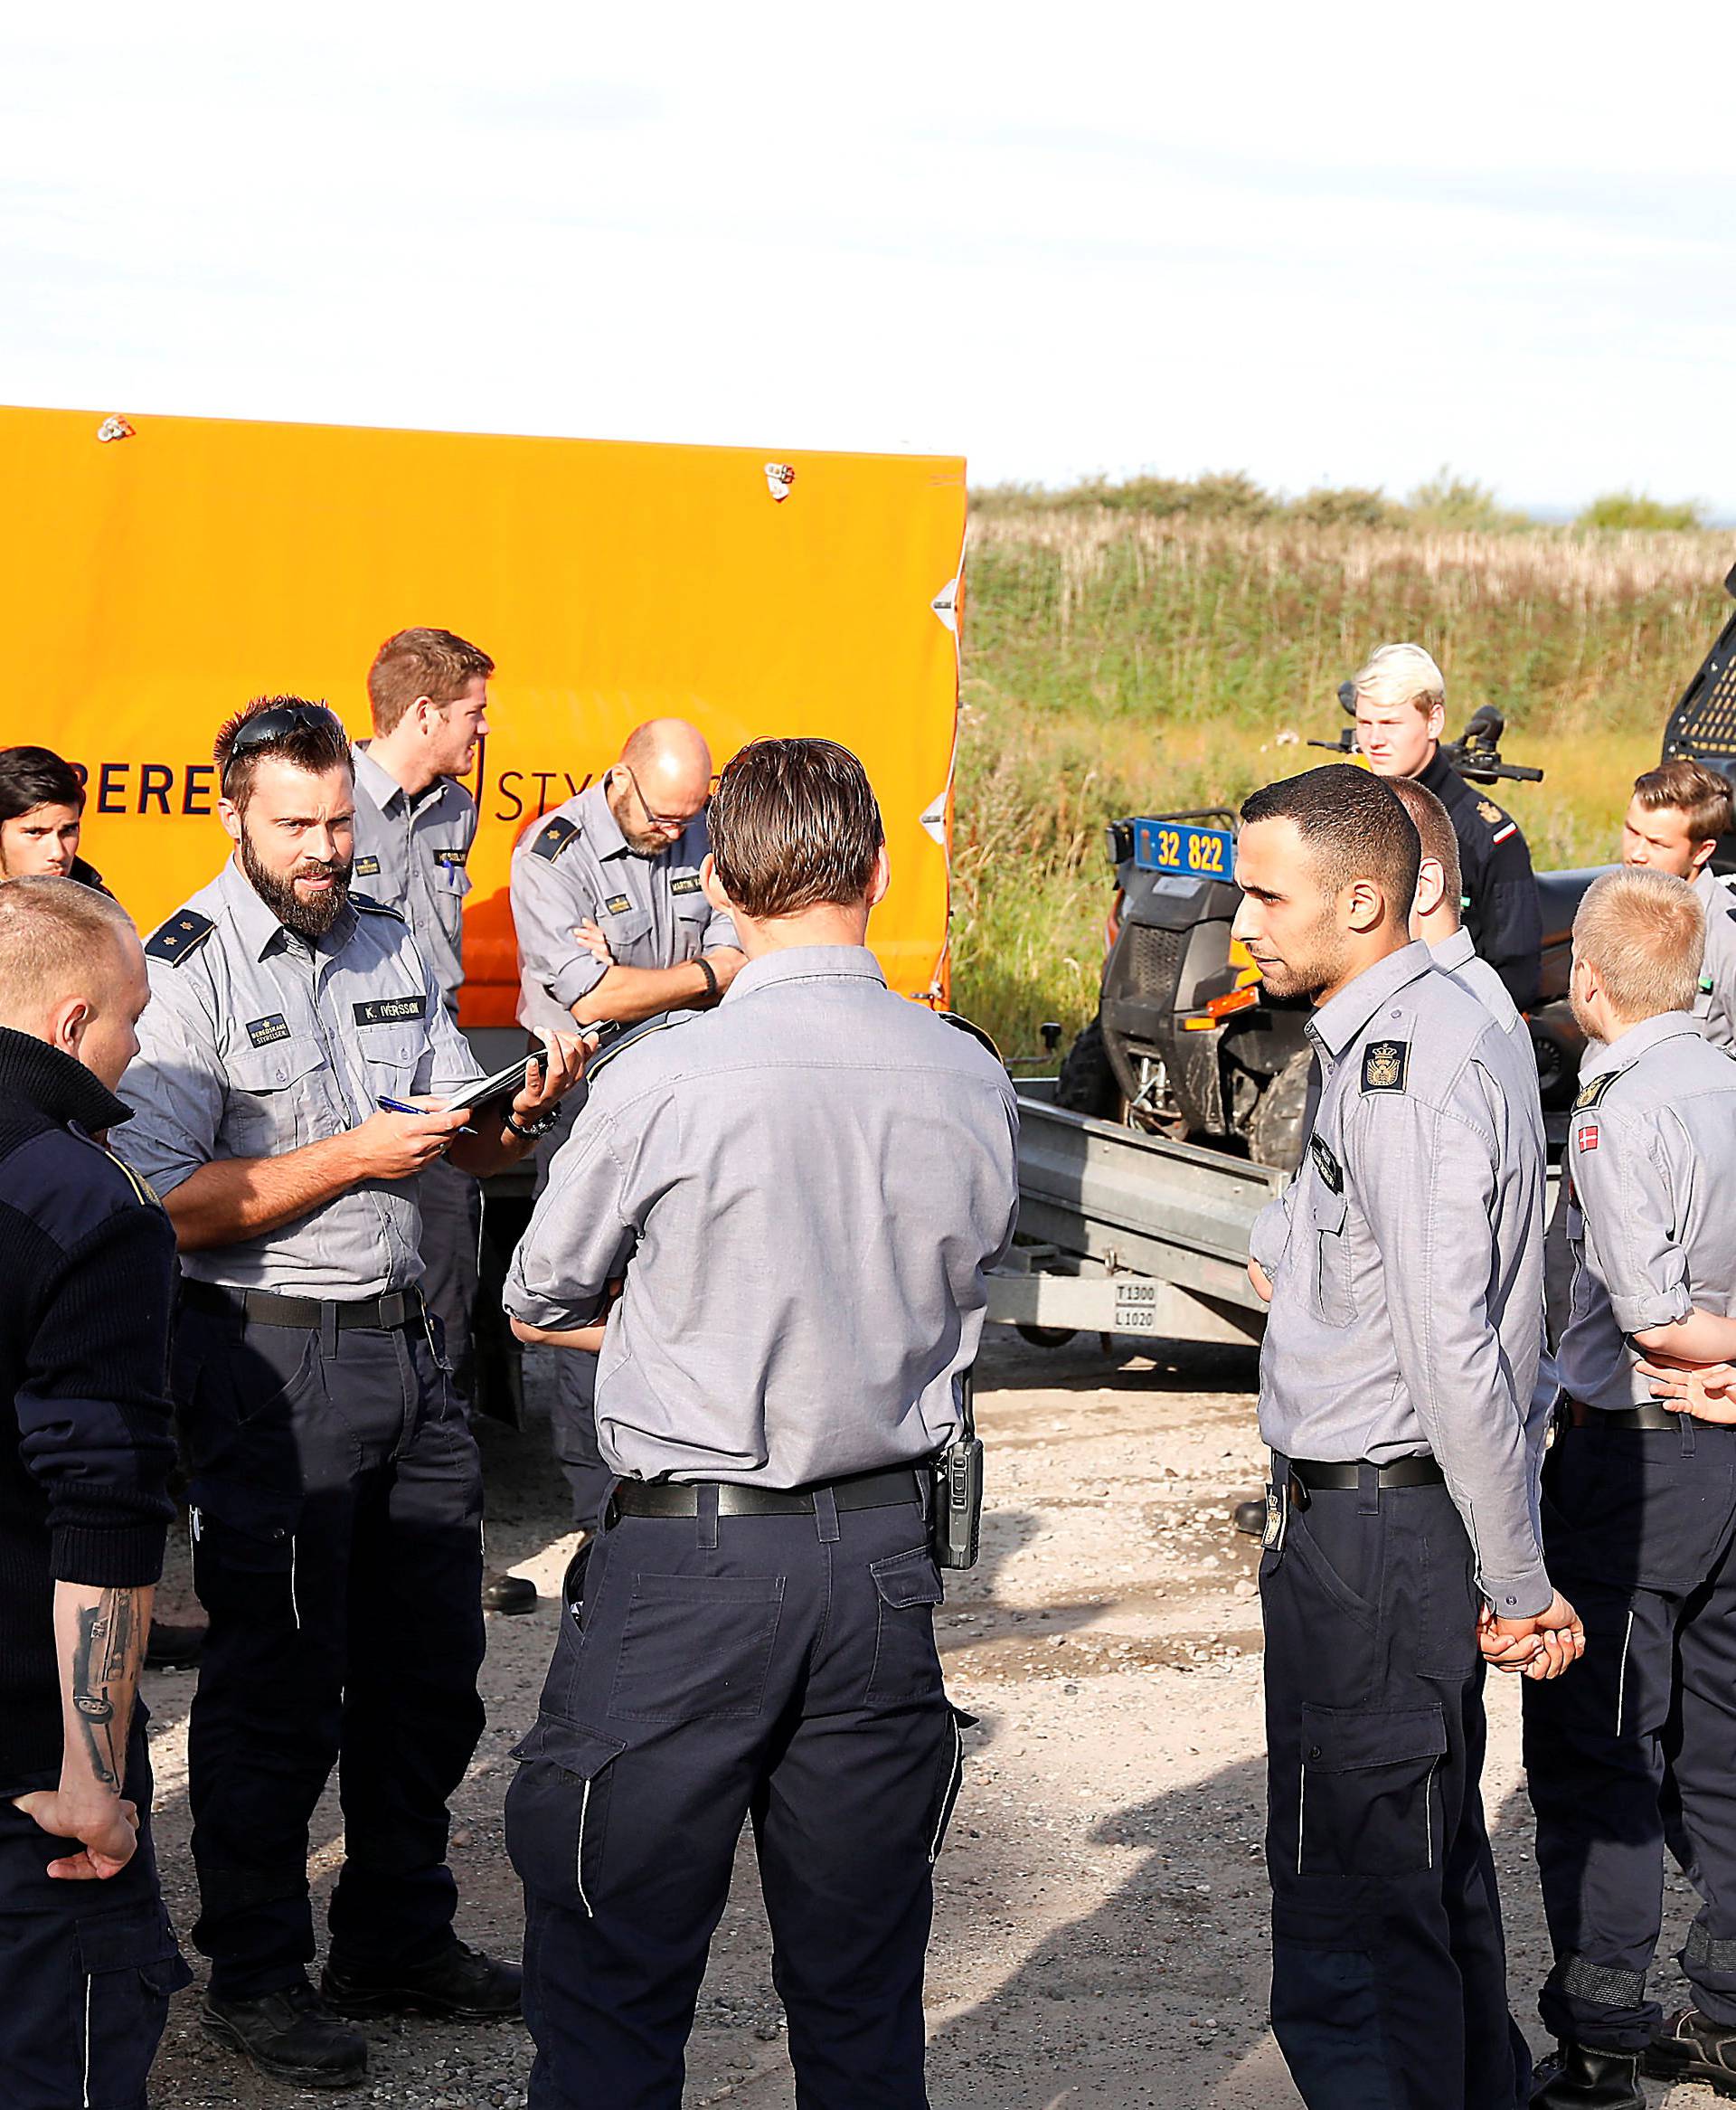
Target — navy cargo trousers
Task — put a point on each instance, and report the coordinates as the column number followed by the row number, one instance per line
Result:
column 1389, row 1969
column 337, row 1503
column 1638, row 1529
column 774, row 1668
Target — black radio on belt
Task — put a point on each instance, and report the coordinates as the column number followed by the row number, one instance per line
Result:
column 958, row 1523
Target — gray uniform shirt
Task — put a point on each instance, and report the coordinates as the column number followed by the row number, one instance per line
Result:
column 410, row 854
column 1651, row 1154
column 1716, row 1004
column 257, row 1042
column 804, row 1189
column 574, row 867
column 1407, row 1304
column 1459, row 958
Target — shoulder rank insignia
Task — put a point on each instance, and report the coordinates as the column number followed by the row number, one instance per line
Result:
column 1386, row 1063
column 1326, row 1165
column 1591, row 1093
column 142, row 1189
column 369, row 907
column 553, row 837
column 180, row 938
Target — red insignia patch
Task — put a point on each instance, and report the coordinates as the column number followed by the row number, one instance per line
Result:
column 1589, row 1136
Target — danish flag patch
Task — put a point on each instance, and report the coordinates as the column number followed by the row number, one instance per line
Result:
column 1589, row 1136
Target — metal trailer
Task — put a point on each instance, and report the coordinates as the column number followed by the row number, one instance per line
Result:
column 1124, row 1232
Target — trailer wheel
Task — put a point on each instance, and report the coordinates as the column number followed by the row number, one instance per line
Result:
column 1275, row 1132
column 1047, row 1336
column 1085, row 1083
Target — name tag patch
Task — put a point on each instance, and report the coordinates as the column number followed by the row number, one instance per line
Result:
column 617, row 904
column 262, row 1032
column 1326, row 1165
column 366, row 868
column 1386, row 1063
column 689, row 885
column 450, row 858
column 387, row 1010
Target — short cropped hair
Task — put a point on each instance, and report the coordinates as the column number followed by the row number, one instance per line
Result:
column 1401, row 674
column 1353, row 827
column 794, row 823
column 317, row 743
column 437, row 664
column 1701, row 795
column 31, row 777
column 1644, row 932
column 1434, row 826
column 53, row 932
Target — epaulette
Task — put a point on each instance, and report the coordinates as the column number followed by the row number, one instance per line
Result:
column 140, row 1186
column 553, row 836
column 1590, row 1094
column 180, row 938
column 369, row 907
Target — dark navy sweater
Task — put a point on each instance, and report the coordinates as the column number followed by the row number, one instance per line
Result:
column 87, row 1274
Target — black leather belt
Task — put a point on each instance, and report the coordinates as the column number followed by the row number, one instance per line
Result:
column 862, row 1490
column 264, row 1308
column 1316, row 1474
column 1652, row 1415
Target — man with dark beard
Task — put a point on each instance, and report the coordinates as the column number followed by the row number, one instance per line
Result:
column 281, row 1108
column 612, row 925
column 1401, row 1546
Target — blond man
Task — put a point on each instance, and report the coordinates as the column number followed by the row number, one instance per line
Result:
column 1639, row 1512
column 1400, row 715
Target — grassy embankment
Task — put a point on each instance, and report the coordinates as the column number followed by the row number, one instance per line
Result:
column 1116, row 662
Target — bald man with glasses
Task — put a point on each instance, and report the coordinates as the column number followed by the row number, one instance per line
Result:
column 613, row 927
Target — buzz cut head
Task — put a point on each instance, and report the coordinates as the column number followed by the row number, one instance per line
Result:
column 1644, row 934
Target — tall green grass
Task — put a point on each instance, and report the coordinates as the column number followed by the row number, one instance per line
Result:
column 1119, row 662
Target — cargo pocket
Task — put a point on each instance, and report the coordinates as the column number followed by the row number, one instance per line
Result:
column 128, row 1965
column 1333, row 1300
column 244, row 1549
column 1366, row 1798
column 952, row 1777
column 696, row 1647
column 906, row 1665
column 557, row 1812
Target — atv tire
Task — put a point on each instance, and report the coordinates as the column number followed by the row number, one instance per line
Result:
column 1275, row 1132
column 1087, row 1083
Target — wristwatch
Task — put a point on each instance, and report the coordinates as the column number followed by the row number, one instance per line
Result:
column 530, row 1131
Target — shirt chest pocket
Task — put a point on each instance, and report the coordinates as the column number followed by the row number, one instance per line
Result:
column 278, row 1095
column 628, row 931
column 1333, row 1262
column 390, row 1057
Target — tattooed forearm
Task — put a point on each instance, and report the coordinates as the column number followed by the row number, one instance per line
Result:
column 107, row 1649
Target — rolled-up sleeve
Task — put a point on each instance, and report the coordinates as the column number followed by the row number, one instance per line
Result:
column 1624, row 1192
column 579, row 1239
column 548, row 903
column 175, row 1088
column 1429, row 1199
column 720, row 931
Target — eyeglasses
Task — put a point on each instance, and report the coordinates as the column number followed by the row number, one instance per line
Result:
column 675, row 821
column 267, row 727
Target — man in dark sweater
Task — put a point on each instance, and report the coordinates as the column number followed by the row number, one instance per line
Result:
column 88, row 1960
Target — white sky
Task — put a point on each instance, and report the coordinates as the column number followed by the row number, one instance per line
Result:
column 1339, row 243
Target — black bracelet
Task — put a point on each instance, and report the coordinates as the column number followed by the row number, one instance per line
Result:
column 534, row 1132
column 708, row 970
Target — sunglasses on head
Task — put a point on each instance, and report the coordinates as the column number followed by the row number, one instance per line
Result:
column 267, row 727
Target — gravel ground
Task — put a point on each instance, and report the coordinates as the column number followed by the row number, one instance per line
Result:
column 1099, row 1935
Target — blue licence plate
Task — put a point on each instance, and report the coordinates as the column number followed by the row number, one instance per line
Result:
column 1171, row 845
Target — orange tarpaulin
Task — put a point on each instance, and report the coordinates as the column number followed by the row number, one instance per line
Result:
column 156, row 579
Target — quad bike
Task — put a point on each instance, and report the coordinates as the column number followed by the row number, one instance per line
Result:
column 1186, row 1043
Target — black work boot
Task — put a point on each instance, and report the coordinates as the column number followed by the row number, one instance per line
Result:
column 1580, row 2077
column 460, row 1985
column 508, row 1594
column 290, row 2034
column 1690, row 2047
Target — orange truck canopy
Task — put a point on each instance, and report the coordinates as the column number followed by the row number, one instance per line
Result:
column 162, row 570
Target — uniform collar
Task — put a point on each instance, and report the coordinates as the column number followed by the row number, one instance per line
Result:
column 1335, row 1025
column 56, row 1084
column 1705, row 881
column 383, row 787
column 1453, row 951
column 806, row 963
column 1440, row 776
column 1624, row 1052
column 258, row 928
